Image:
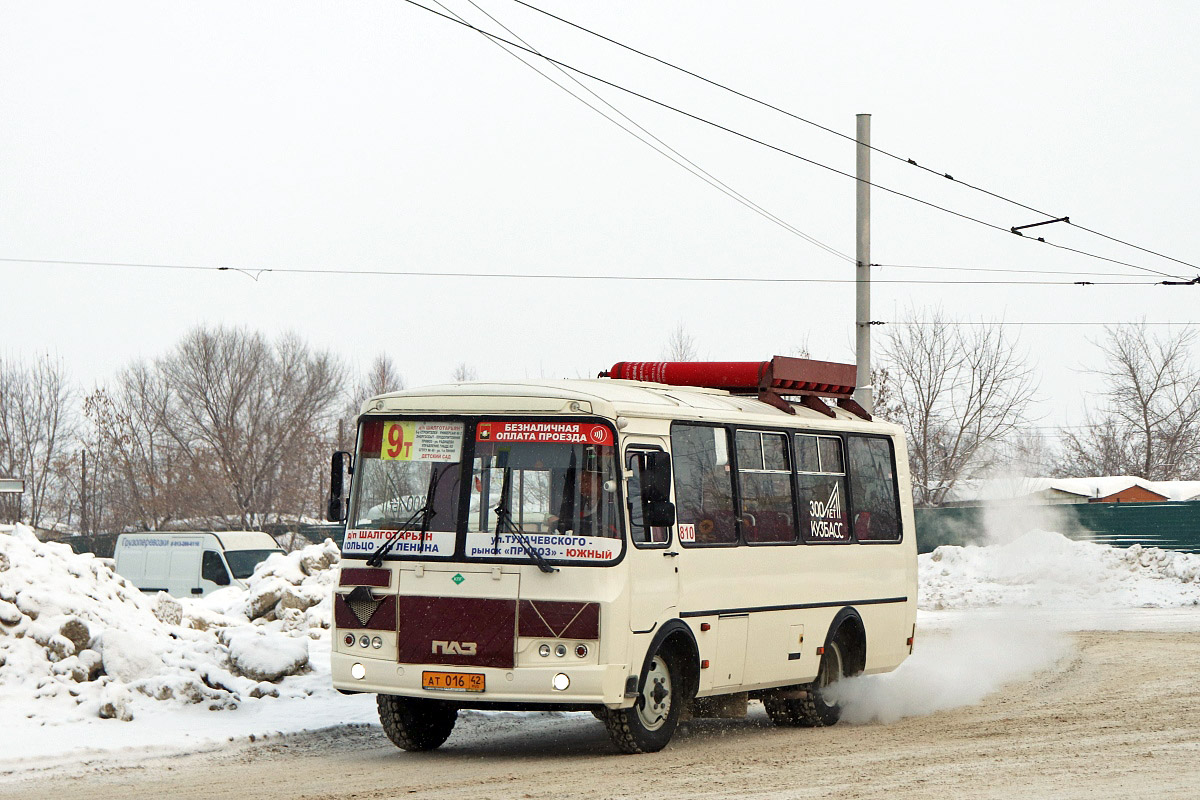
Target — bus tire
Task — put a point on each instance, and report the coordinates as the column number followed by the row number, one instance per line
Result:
column 649, row 723
column 812, row 710
column 415, row 723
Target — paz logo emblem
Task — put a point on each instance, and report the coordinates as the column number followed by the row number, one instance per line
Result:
column 458, row 578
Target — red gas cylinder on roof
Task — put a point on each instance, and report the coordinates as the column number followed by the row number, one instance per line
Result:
column 770, row 379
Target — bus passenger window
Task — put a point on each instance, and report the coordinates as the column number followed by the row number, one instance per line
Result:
column 873, row 482
column 703, row 489
column 765, row 482
column 638, row 530
column 821, row 481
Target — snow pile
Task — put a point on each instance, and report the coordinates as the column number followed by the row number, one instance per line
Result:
column 1040, row 568
column 78, row 641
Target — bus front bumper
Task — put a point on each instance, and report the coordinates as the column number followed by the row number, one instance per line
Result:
column 602, row 684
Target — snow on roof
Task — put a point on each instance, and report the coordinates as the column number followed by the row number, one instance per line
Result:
column 1012, row 487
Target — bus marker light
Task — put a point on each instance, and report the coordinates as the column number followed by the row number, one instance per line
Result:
column 704, row 664
column 349, row 640
column 581, row 650
column 820, row 651
column 561, row 682
column 705, row 626
column 358, row 672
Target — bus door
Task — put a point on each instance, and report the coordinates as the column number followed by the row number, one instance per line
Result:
column 653, row 563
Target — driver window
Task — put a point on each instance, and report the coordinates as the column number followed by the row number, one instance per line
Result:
column 639, row 531
column 213, row 569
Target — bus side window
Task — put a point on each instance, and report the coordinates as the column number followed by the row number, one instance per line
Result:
column 703, row 485
column 873, row 483
column 821, row 482
column 212, row 569
column 639, row 531
column 765, row 482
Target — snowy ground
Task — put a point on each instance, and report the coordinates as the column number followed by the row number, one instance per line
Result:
column 90, row 666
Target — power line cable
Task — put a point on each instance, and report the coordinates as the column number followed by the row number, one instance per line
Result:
column 1008, row 270
column 782, row 150
column 256, row 272
column 673, row 155
column 827, row 129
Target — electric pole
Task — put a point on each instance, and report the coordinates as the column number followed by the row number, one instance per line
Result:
column 864, row 391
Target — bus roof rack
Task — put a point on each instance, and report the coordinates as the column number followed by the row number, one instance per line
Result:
column 798, row 377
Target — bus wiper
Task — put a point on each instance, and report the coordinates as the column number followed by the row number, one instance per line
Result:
column 504, row 518
column 425, row 511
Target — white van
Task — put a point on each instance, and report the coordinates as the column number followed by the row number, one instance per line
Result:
column 191, row 563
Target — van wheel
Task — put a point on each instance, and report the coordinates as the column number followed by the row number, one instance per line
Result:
column 648, row 725
column 414, row 723
column 812, row 710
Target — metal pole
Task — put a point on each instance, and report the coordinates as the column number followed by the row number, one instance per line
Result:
column 864, row 393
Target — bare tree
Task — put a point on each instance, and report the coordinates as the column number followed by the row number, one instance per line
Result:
column 959, row 392
column 37, row 421
column 137, row 464
column 381, row 378
column 250, row 419
column 681, row 345
column 1149, row 421
column 463, row 373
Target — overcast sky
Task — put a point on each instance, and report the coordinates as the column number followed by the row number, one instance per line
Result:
column 376, row 136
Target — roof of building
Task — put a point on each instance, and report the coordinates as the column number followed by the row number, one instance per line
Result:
column 1012, row 487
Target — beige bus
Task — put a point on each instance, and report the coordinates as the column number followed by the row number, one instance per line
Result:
column 644, row 550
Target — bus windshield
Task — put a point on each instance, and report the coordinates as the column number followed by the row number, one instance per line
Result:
column 406, row 482
column 538, row 491
column 547, row 487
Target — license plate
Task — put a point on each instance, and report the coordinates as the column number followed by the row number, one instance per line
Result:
column 452, row 681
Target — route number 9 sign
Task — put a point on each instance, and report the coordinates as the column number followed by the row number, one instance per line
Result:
column 420, row 440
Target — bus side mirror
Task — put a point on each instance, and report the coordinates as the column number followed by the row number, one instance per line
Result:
column 656, row 476
column 336, row 510
column 659, row 513
column 657, row 508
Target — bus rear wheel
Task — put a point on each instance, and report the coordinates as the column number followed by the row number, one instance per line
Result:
column 649, row 723
column 414, row 723
column 813, row 710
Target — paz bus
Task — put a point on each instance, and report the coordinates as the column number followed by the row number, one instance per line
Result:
column 668, row 540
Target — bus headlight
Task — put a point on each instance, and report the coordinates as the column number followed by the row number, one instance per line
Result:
column 544, row 651
column 358, row 672
column 560, row 651
column 561, row 682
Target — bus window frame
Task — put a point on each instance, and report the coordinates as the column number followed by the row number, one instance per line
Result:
column 891, row 442
column 630, row 449
column 737, row 485
column 730, row 447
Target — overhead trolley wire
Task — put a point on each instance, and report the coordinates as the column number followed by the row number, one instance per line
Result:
column 256, row 272
column 674, row 155
column 835, row 132
column 776, row 148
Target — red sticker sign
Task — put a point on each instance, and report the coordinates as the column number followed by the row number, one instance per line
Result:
column 568, row 432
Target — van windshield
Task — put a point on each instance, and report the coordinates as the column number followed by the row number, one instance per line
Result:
column 243, row 562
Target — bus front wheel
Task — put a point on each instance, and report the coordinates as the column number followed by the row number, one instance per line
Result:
column 813, row 709
column 414, row 723
column 649, row 723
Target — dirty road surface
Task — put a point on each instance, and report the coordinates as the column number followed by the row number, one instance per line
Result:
column 1118, row 717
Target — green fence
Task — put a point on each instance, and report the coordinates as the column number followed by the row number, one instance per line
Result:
column 1171, row 526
